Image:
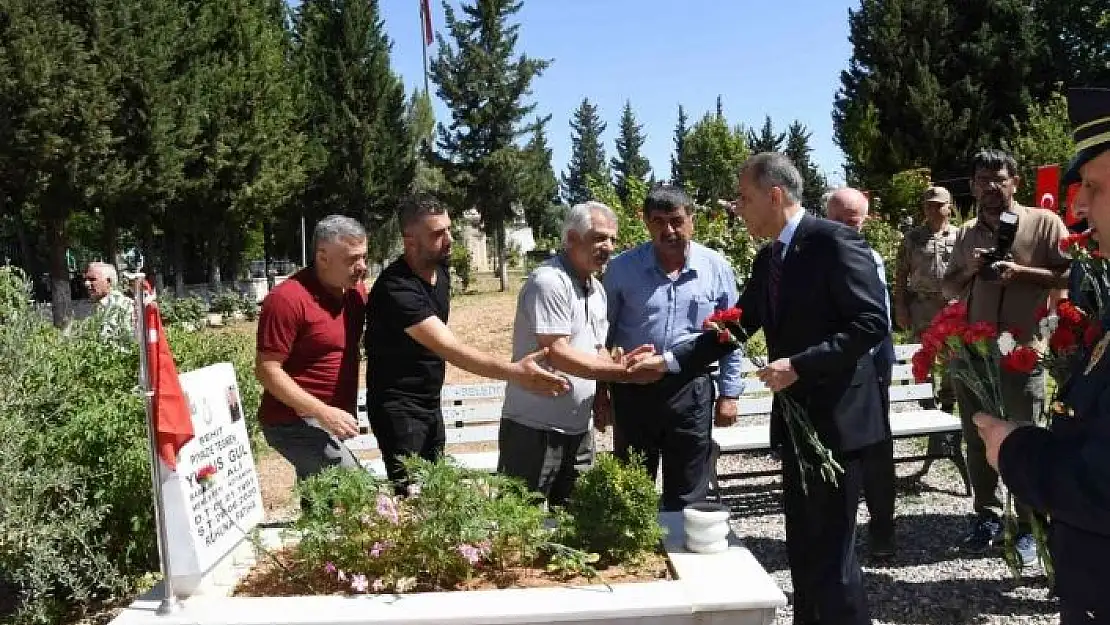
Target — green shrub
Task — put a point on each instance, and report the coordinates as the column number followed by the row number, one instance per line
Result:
column 613, row 511
column 248, row 307
column 182, row 311
column 76, row 517
column 460, row 266
column 224, row 303
column 458, row 521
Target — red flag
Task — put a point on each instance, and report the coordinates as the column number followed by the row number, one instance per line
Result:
column 173, row 424
column 426, row 18
column 1048, row 188
column 1071, row 218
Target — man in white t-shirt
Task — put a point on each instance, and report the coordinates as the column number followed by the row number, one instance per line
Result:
column 543, row 440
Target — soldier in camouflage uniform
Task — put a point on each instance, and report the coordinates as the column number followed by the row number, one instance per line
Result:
column 922, row 260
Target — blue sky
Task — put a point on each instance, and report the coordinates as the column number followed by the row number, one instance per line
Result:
column 778, row 58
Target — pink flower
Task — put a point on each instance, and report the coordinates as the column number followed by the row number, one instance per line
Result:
column 470, row 553
column 329, row 568
column 387, row 508
column 378, row 585
column 359, row 583
column 379, row 547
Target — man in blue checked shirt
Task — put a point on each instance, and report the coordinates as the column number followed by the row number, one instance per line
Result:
column 659, row 293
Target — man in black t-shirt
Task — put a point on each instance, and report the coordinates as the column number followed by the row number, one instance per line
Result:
column 408, row 342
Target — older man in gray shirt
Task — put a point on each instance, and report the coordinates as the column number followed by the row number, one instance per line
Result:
column 545, row 441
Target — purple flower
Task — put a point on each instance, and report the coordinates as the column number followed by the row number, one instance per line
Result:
column 376, row 550
column 359, row 583
column 387, row 508
column 471, row 553
column 329, row 568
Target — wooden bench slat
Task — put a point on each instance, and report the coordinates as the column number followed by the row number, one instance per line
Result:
column 479, row 461
column 902, row 425
column 455, row 436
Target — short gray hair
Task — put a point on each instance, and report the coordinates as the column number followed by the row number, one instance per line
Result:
column 580, row 218
column 106, row 271
column 772, row 169
column 335, row 227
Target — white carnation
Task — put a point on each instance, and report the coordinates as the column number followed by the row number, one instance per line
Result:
column 1006, row 343
column 1049, row 324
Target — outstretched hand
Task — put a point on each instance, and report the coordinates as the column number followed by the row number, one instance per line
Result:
column 537, row 379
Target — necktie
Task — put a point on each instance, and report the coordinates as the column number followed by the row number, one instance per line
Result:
column 776, row 275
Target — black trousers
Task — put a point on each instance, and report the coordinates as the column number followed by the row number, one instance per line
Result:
column 547, row 461
column 821, row 542
column 668, row 421
column 403, row 432
column 878, row 488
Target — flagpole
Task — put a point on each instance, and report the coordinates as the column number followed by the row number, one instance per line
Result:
column 424, row 47
column 170, row 603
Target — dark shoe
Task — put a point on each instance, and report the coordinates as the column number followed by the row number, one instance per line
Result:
column 1025, row 548
column 985, row 532
column 882, row 546
column 949, row 408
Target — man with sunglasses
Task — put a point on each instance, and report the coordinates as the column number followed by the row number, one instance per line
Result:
column 1004, row 287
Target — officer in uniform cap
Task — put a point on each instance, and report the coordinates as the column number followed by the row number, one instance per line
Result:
column 922, row 260
column 1065, row 473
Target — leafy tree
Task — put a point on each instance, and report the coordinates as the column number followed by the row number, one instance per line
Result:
column 1045, row 139
column 714, row 152
column 930, row 82
column 1076, row 35
column 483, row 81
column 629, row 163
column 587, row 157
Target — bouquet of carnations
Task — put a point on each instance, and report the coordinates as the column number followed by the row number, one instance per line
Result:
column 812, row 455
column 1071, row 333
column 1094, row 286
column 976, row 355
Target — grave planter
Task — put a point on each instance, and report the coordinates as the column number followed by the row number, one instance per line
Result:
column 726, row 587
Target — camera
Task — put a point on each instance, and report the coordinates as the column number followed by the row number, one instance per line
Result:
column 1007, row 230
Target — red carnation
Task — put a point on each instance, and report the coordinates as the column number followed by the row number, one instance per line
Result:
column 206, row 473
column 922, row 362
column 1091, row 334
column 956, row 310
column 1069, row 312
column 979, row 331
column 1063, row 340
column 1022, row 360
column 731, row 315
column 1041, row 312
column 724, row 336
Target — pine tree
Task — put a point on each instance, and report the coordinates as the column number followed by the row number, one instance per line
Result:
column 629, row 163
column 540, row 188
column 930, row 82
column 483, row 80
column 678, row 159
column 799, row 151
column 587, row 156
column 356, row 115
column 1076, row 34
column 766, row 140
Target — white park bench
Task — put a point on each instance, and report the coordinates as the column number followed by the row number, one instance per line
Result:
column 471, row 414
column 907, row 420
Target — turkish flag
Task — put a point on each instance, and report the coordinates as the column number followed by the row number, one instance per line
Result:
column 426, row 17
column 173, row 424
column 1070, row 218
column 1048, row 188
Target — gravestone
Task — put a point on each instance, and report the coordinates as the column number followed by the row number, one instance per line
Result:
column 206, row 521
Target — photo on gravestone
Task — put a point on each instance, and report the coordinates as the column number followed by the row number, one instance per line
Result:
column 233, row 405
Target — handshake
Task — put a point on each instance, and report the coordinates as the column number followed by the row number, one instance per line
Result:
column 641, row 365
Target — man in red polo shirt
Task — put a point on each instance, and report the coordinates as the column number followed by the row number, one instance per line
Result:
column 308, row 338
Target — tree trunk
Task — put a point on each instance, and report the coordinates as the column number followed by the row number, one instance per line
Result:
column 110, row 238
column 267, row 251
column 60, row 297
column 502, row 264
column 214, row 264
column 148, row 255
column 178, row 262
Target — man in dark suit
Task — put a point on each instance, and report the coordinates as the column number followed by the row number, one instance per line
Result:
column 815, row 293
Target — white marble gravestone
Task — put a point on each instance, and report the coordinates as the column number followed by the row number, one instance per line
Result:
column 205, row 523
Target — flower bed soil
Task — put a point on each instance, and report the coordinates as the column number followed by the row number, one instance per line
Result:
column 268, row 579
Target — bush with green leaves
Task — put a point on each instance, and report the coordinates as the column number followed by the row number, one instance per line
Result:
column 457, row 521
column 248, row 307
column 613, row 511
column 460, row 266
column 182, row 311
column 224, row 303
column 77, row 517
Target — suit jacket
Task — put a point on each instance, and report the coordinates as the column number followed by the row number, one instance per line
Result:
column 830, row 314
